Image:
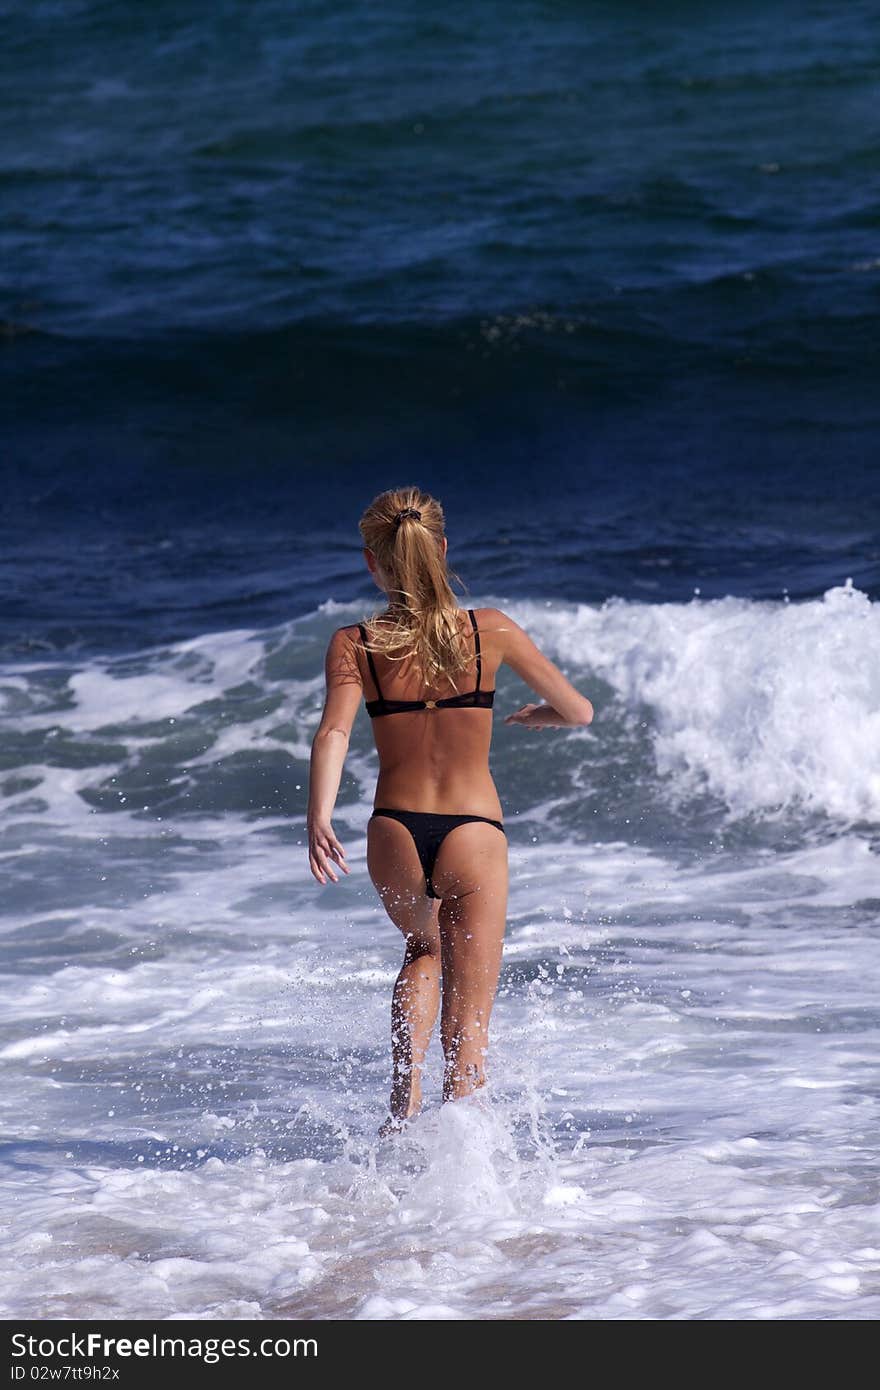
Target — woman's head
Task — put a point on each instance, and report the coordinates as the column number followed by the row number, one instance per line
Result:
column 405, row 549
column 404, row 545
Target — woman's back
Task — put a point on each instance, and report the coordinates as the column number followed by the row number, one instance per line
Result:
column 436, row 757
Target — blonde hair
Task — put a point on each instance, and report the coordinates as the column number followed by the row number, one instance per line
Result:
column 423, row 614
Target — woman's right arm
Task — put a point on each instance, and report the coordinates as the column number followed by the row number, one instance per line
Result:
column 344, row 689
column 564, row 707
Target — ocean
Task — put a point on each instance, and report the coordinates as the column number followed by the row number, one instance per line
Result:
column 604, row 279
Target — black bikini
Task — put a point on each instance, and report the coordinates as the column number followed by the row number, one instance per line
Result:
column 430, row 828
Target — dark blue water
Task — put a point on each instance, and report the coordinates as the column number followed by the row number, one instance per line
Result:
column 602, row 276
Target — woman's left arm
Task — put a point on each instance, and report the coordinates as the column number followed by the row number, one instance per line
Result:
column 329, row 747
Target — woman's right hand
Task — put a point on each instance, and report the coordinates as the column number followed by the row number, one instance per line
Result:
column 324, row 851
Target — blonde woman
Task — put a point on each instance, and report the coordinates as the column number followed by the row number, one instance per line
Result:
column 436, row 843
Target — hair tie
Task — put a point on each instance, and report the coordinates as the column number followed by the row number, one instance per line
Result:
column 405, row 512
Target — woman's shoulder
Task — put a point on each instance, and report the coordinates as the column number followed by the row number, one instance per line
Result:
column 492, row 619
column 344, row 639
column 487, row 619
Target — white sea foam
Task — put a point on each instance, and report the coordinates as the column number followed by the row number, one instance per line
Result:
column 681, row 1113
column 766, row 704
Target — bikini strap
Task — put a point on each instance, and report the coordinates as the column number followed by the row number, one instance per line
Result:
column 477, row 647
column 363, row 632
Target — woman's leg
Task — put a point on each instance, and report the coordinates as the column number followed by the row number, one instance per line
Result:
column 471, row 874
column 400, row 882
column 414, row 1008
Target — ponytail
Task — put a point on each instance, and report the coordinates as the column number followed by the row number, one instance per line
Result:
column 404, row 529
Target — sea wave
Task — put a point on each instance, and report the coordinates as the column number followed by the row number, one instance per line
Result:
column 767, row 708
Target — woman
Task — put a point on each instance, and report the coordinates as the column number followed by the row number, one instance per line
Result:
column 436, row 844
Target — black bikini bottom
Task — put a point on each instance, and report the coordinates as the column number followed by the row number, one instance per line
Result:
column 429, row 829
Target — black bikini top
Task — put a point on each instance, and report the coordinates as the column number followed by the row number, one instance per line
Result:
column 471, row 699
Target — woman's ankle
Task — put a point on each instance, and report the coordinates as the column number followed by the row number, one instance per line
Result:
column 463, row 1081
column 406, row 1093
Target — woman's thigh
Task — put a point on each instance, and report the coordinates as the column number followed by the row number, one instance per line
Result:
column 473, row 860
column 471, row 873
column 397, row 875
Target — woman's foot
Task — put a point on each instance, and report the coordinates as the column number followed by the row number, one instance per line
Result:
column 405, row 1102
column 458, row 1084
column 392, row 1126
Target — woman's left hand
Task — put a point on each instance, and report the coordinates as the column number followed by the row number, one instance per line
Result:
column 530, row 717
column 324, row 851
